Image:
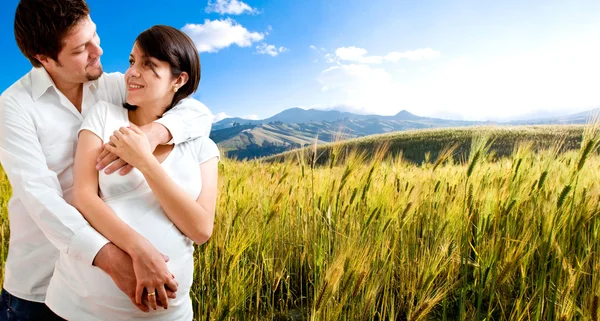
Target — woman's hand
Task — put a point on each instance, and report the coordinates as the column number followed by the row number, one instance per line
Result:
column 151, row 274
column 132, row 146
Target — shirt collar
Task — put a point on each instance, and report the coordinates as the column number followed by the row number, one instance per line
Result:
column 41, row 81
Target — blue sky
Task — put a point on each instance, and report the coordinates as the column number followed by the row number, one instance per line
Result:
column 453, row 59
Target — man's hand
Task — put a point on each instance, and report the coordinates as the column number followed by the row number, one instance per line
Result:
column 119, row 266
column 107, row 157
column 157, row 135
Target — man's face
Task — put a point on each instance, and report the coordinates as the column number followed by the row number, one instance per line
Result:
column 79, row 59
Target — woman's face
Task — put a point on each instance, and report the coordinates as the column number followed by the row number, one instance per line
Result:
column 149, row 80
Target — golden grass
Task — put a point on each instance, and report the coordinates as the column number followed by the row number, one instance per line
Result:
column 377, row 238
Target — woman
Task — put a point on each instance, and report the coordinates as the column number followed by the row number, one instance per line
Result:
column 163, row 206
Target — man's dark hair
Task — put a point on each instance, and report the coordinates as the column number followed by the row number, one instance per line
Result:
column 41, row 25
column 175, row 47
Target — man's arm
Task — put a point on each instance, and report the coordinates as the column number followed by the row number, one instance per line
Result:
column 38, row 187
column 187, row 120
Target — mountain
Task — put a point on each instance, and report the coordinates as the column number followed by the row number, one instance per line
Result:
column 231, row 122
column 578, row 118
column 299, row 116
column 405, row 115
column 294, row 128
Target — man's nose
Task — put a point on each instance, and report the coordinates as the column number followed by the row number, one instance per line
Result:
column 95, row 50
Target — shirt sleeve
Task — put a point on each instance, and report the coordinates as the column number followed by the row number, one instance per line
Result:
column 187, row 120
column 38, row 187
column 206, row 149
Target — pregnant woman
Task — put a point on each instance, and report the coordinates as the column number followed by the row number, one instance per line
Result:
column 162, row 207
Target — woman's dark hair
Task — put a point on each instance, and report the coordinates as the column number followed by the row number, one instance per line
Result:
column 41, row 25
column 175, row 47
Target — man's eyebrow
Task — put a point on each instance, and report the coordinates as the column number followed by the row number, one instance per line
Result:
column 83, row 44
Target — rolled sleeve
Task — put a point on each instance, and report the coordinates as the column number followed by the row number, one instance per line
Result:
column 189, row 119
column 173, row 125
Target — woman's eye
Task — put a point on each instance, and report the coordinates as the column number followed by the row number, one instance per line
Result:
column 131, row 62
column 150, row 64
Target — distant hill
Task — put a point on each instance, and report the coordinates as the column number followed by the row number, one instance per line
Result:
column 578, row 118
column 294, row 128
column 425, row 145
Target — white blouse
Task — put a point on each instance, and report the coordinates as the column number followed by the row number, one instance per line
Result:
column 78, row 291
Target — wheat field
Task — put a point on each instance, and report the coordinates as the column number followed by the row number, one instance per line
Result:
column 370, row 237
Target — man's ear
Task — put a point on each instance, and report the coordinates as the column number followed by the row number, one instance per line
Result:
column 43, row 59
column 182, row 79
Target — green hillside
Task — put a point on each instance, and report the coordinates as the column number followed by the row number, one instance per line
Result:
column 421, row 145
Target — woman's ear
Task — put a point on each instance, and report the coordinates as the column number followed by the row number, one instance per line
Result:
column 182, row 79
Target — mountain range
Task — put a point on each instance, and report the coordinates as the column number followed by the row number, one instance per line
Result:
column 295, row 127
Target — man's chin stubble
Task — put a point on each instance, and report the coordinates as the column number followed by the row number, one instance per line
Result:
column 91, row 77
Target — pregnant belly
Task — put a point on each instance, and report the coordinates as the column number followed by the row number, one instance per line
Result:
column 147, row 217
column 91, row 290
column 95, row 287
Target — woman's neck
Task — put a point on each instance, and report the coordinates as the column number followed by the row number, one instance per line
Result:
column 143, row 115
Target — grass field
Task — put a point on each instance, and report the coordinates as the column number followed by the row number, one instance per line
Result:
column 366, row 234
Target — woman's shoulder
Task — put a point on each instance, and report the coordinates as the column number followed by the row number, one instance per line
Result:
column 105, row 109
column 108, row 106
column 203, row 148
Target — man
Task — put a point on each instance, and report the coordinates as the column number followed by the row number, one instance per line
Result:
column 40, row 116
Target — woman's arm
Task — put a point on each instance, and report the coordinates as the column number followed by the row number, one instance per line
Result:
column 193, row 217
column 149, row 265
column 187, row 120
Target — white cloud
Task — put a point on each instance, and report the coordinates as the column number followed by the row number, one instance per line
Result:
column 220, row 116
column 250, row 117
column 350, row 78
column 233, row 7
column 350, row 53
column 359, row 55
column 271, row 50
column 362, row 88
column 419, row 54
column 329, row 58
column 561, row 76
column 212, row 36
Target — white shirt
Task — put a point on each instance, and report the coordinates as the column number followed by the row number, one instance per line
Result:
column 38, row 137
column 79, row 291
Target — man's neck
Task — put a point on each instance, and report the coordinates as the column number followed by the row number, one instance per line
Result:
column 73, row 91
